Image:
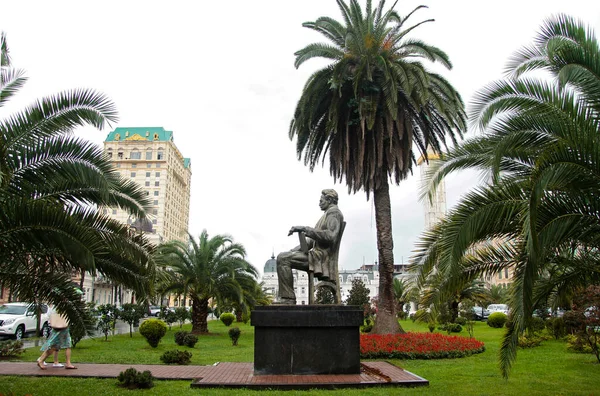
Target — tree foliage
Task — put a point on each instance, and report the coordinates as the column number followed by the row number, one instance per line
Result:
column 540, row 149
column 369, row 109
column 358, row 294
column 209, row 268
column 52, row 186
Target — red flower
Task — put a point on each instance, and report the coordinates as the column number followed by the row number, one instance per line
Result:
column 417, row 346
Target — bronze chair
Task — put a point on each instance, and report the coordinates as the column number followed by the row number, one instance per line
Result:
column 333, row 282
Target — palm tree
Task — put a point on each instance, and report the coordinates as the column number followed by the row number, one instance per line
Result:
column 51, row 186
column 369, row 108
column 402, row 293
column 210, row 268
column 541, row 152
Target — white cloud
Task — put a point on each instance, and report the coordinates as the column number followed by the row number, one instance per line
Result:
column 220, row 75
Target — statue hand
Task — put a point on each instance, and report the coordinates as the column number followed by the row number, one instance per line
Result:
column 296, row 229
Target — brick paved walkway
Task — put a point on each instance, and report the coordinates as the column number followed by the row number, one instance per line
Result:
column 231, row 375
column 159, row 371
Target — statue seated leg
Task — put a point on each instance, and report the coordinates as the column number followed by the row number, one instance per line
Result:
column 287, row 261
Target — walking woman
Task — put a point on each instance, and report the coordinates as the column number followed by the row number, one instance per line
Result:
column 60, row 338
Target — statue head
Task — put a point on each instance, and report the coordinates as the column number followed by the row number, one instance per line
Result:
column 328, row 197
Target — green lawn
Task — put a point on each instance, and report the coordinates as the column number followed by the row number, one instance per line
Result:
column 546, row 370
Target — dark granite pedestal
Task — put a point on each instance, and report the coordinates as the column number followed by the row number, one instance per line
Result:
column 307, row 339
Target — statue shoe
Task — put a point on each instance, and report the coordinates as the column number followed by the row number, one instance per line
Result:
column 285, row 301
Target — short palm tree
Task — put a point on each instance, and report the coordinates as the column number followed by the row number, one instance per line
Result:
column 370, row 108
column 210, row 268
column 541, row 151
column 51, row 186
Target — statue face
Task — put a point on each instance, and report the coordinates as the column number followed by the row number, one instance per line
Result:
column 324, row 203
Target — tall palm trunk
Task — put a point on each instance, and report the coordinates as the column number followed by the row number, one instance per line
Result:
column 199, row 314
column 386, row 321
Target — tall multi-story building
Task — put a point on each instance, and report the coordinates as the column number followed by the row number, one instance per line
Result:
column 435, row 208
column 148, row 156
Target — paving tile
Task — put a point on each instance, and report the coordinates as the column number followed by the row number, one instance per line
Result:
column 235, row 375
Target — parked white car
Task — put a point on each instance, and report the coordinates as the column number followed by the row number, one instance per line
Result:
column 18, row 318
column 498, row 308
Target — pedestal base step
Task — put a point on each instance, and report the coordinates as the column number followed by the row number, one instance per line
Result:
column 241, row 375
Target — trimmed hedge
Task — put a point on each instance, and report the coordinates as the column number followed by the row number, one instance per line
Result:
column 133, row 379
column 497, row 320
column 153, row 330
column 227, row 318
column 175, row 356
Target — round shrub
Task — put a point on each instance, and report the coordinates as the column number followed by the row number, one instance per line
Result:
column 153, row 330
column 133, row 379
column 461, row 321
column 556, row 327
column 190, row 340
column 497, row 320
column 180, row 337
column 227, row 318
column 234, row 334
column 175, row 356
column 537, row 324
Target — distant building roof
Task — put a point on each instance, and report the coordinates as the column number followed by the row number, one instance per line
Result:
column 271, row 265
column 151, row 134
column 186, row 163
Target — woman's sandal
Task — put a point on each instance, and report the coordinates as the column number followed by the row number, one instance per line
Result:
column 71, row 367
column 41, row 365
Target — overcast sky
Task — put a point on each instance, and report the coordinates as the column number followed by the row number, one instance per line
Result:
column 221, row 76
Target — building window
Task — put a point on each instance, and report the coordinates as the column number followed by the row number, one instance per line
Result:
column 148, row 165
column 136, row 155
column 148, row 155
column 156, row 184
column 134, row 165
column 160, row 155
column 154, row 211
column 110, row 154
column 500, row 274
column 158, row 165
column 154, row 221
column 120, row 155
column 132, row 174
column 118, row 164
column 506, row 273
column 156, row 193
column 147, row 174
column 157, row 174
column 114, row 211
column 147, row 184
column 147, row 192
column 156, row 202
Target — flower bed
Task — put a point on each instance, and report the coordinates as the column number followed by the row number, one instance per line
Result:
column 417, row 346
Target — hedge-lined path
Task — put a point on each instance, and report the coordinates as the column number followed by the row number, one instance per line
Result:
column 228, row 374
